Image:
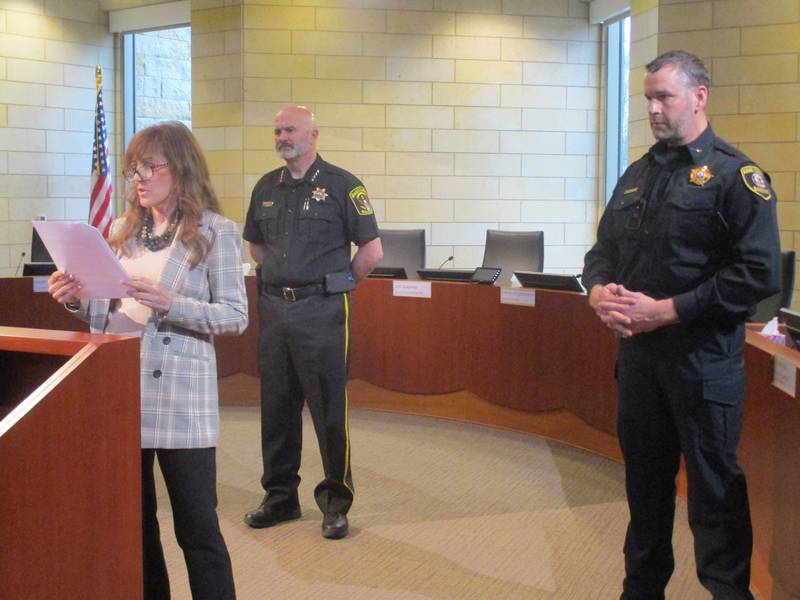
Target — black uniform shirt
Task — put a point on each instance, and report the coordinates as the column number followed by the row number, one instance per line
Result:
column 307, row 225
column 696, row 223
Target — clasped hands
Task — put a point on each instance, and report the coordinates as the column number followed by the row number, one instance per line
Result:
column 65, row 289
column 629, row 313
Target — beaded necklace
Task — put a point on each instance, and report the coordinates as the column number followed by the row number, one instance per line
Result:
column 152, row 242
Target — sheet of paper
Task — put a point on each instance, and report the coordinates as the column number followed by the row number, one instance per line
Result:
column 79, row 249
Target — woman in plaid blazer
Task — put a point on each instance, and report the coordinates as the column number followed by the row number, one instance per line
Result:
column 184, row 260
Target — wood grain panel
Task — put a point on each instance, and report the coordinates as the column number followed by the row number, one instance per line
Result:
column 70, row 472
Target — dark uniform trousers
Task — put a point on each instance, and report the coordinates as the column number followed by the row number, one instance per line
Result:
column 303, row 355
column 682, row 391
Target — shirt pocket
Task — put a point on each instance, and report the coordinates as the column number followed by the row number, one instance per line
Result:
column 694, row 221
column 267, row 219
column 317, row 223
column 627, row 219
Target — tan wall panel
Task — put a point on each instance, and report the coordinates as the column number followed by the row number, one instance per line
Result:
column 479, row 48
column 275, row 42
column 411, row 210
column 419, row 163
column 419, row 116
column 465, row 141
column 770, row 98
column 397, row 44
column 489, row 25
column 771, row 39
column 277, row 17
column 326, row 90
column 404, row 139
column 323, row 42
column 342, row 19
column 471, row 94
column 502, row 211
column 756, row 128
column 420, row 22
column 397, row 92
column 350, row 115
column 686, row 16
column 777, row 68
column 733, row 13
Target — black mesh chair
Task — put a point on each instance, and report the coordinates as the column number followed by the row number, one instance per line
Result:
column 513, row 251
column 769, row 307
column 403, row 248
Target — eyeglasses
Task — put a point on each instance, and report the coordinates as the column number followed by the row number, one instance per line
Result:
column 144, row 172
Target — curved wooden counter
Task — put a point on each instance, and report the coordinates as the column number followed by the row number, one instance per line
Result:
column 463, row 338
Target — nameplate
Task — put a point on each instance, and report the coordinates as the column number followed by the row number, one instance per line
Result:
column 518, row 296
column 40, row 284
column 784, row 375
column 411, row 289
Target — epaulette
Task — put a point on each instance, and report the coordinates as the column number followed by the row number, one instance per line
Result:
column 726, row 148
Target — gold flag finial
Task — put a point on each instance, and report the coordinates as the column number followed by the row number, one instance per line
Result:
column 98, row 77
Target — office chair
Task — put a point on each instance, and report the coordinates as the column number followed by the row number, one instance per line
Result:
column 768, row 307
column 513, row 251
column 403, row 248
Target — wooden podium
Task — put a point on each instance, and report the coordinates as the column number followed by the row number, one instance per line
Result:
column 70, row 516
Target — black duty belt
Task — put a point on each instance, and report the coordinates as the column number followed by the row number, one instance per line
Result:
column 291, row 294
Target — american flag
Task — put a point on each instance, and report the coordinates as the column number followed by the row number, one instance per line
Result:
column 100, row 212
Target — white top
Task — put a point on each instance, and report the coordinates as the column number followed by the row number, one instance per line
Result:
column 128, row 316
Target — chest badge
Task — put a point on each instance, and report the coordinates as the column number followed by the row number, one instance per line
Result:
column 319, row 194
column 700, row 175
column 267, row 203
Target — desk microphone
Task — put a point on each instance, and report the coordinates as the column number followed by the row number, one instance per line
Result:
column 19, row 264
column 447, row 260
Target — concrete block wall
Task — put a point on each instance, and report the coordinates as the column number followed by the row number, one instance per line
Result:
column 753, row 51
column 48, row 53
column 458, row 115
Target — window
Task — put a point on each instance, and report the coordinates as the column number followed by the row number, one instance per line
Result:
column 619, row 52
column 158, row 78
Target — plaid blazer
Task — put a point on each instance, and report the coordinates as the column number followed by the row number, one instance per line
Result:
column 178, row 367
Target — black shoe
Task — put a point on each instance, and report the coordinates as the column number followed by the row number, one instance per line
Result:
column 334, row 525
column 269, row 514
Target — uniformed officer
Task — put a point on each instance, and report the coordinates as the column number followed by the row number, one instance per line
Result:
column 688, row 244
column 300, row 224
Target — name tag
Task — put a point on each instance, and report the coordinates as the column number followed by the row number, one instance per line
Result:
column 40, row 284
column 411, row 289
column 784, row 375
column 520, row 297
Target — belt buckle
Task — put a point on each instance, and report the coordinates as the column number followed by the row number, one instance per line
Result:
column 288, row 294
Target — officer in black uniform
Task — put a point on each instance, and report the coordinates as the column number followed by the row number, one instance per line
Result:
column 686, row 247
column 300, row 224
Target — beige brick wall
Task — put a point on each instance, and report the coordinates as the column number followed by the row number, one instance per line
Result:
column 753, row 51
column 459, row 116
column 221, row 81
column 48, row 54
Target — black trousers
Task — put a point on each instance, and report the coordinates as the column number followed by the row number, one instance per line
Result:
column 682, row 392
column 303, row 355
column 191, row 479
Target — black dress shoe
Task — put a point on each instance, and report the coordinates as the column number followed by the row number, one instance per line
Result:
column 334, row 525
column 269, row 514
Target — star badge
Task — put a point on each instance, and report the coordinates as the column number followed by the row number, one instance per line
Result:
column 700, row 175
column 319, row 194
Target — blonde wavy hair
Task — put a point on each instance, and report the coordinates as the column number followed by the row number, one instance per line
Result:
column 191, row 186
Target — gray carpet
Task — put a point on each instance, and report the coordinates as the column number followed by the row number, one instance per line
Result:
column 443, row 510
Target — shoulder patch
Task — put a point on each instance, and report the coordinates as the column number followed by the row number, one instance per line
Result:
column 756, row 181
column 360, row 200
